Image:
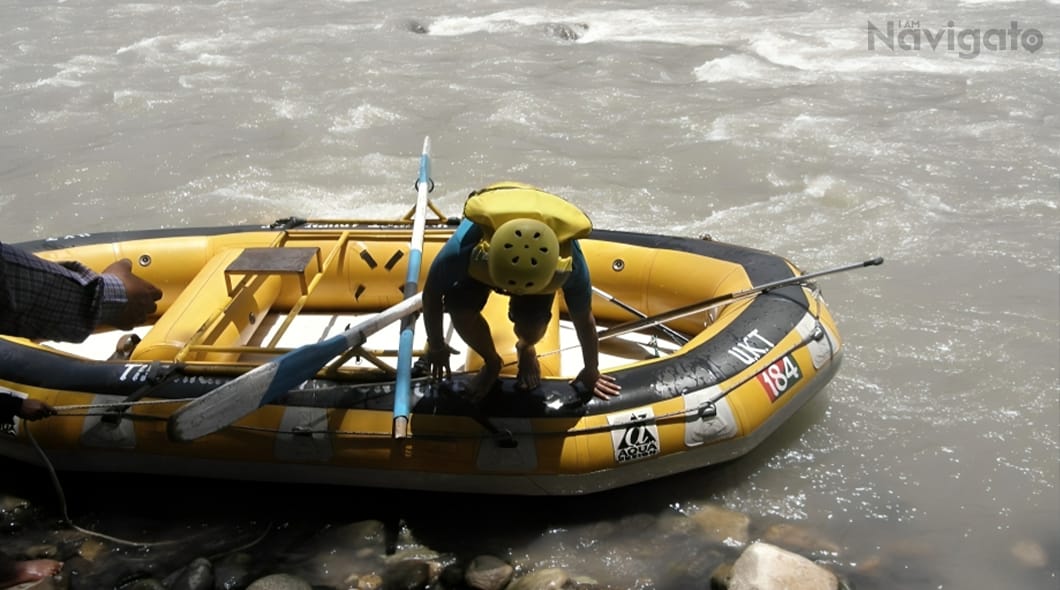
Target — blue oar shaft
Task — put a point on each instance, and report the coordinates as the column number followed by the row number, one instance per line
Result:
column 403, row 383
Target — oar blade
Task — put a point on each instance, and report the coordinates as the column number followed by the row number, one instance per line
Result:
column 248, row 392
column 261, row 385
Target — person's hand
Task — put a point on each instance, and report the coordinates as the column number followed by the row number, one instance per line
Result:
column 603, row 386
column 34, row 409
column 141, row 295
column 438, row 360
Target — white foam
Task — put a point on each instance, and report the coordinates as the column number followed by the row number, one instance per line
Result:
column 145, row 45
column 291, row 109
column 70, row 73
column 363, row 116
column 206, row 80
column 664, row 25
column 844, row 52
column 735, row 67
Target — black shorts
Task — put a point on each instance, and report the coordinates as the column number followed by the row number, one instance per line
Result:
column 471, row 295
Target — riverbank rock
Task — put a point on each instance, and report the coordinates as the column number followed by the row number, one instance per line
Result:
column 487, row 572
column 721, row 525
column 197, row 575
column 1029, row 554
column 546, row 579
column 15, row 513
column 233, row 571
column 766, row 567
column 280, row 582
column 798, row 538
column 410, row 574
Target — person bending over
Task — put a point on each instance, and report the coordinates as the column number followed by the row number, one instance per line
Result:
column 520, row 241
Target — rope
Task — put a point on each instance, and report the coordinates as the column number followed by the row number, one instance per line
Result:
column 122, row 404
column 69, row 521
column 62, row 502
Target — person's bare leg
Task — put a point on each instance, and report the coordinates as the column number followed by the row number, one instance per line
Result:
column 529, row 375
column 31, row 570
column 475, row 331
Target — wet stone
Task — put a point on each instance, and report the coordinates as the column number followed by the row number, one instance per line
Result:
column 410, row 574
column 143, row 584
column 452, row 576
column 721, row 525
column 42, row 552
column 487, row 572
column 92, row 549
column 799, row 538
column 1030, row 554
column 197, row 575
column 233, row 572
column 280, row 582
column 369, row 582
column 78, row 571
column 721, row 577
column 546, row 579
column 766, row 567
column 15, row 513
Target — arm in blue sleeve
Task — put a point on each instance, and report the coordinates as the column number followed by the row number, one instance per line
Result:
column 578, row 290
column 448, row 267
column 451, row 263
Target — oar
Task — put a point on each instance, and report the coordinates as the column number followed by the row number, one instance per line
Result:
column 261, row 385
column 673, row 334
column 403, row 382
column 716, row 301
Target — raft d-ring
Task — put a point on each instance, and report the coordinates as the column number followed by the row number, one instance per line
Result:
column 618, row 265
column 707, row 411
column 506, row 440
column 430, row 185
column 818, row 333
column 145, row 260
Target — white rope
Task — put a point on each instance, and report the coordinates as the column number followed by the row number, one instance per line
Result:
column 75, row 407
column 62, row 501
column 66, row 516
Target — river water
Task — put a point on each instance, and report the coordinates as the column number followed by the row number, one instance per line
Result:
column 798, row 127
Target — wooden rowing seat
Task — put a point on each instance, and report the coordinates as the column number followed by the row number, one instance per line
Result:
column 223, row 305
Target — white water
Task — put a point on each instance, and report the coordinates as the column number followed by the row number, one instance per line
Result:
column 769, row 125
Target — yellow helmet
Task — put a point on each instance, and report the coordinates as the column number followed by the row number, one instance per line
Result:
column 523, row 254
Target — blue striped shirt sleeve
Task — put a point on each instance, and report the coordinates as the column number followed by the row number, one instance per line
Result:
column 55, row 301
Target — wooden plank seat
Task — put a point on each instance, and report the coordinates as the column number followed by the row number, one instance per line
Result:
column 212, row 311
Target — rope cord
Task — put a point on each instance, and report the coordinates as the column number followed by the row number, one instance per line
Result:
column 63, row 508
column 54, row 477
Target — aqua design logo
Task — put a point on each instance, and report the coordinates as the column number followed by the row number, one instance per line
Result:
column 638, row 439
column 968, row 43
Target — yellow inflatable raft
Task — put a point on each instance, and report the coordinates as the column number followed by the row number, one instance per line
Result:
column 727, row 371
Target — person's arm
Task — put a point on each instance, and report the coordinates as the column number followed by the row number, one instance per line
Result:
column 577, row 293
column 448, row 266
column 67, row 301
column 25, row 408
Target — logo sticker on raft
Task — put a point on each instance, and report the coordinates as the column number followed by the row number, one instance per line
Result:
column 780, row 377
column 638, row 440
